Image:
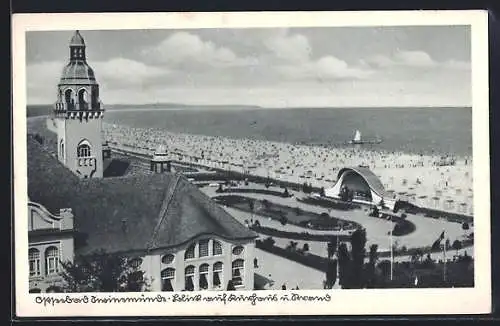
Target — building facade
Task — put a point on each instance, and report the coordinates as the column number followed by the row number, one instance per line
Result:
column 50, row 242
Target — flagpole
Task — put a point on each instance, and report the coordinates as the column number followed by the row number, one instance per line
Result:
column 390, row 239
column 444, row 261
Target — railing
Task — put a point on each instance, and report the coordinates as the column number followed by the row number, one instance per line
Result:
column 86, row 161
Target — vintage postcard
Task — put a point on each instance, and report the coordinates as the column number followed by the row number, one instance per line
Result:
column 295, row 163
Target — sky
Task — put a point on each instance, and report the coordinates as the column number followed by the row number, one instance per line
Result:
column 270, row 67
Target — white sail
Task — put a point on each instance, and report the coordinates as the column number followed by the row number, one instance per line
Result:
column 357, row 136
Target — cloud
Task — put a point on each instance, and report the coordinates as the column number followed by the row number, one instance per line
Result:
column 183, row 48
column 411, row 59
column 126, row 72
column 328, row 67
column 289, row 48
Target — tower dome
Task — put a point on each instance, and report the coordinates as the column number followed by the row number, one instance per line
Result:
column 77, row 71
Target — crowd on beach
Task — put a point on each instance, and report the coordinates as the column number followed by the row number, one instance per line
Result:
column 438, row 181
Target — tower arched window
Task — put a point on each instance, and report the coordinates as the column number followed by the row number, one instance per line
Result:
column 62, row 148
column 204, row 276
column 34, row 259
column 217, row 274
column 83, row 99
column 52, row 260
column 189, row 278
column 83, row 149
column 216, row 248
column 238, row 272
column 167, row 277
column 68, row 96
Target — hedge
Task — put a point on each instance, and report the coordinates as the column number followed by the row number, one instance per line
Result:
column 298, row 236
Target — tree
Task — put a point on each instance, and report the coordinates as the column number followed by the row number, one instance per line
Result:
column 220, row 189
column 286, row 193
column 344, row 266
column 457, row 245
column 332, row 247
column 370, row 270
column 358, row 243
column 103, row 272
column 331, row 274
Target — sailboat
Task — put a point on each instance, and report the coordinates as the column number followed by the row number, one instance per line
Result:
column 358, row 141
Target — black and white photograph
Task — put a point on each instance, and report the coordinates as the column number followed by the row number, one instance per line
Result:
column 253, row 160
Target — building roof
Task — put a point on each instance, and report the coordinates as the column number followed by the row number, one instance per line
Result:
column 79, row 73
column 373, row 181
column 77, row 39
column 124, row 214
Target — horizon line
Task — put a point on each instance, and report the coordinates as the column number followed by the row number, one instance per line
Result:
column 278, row 107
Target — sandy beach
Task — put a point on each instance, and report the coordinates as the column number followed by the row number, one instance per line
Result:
column 429, row 181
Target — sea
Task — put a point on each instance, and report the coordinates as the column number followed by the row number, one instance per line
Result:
column 446, row 131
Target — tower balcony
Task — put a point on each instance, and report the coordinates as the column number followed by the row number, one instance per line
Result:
column 78, row 110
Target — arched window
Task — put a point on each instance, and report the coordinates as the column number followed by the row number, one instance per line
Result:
column 34, row 259
column 203, row 248
column 216, row 248
column 167, row 259
column 83, row 99
column 237, row 250
column 62, row 148
column 167, row 277
column 189, row 278
column 238, row 272
column 52, row 260
column 68, row 96
column 83, row 149
column 189, row 254
column 217, row 271
column 204, row 276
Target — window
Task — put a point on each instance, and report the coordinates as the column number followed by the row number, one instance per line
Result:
column 217, row 281
column 52, row 260
column 167, row 276
column 237, row 273
column 189, row 278
column 204, row 276
column 135, row 262
column 167, row 259
column 203, row 248
column 83, row 149
column 217, row 248
column 189, row 254
column 237, row 250
column 34, row 258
